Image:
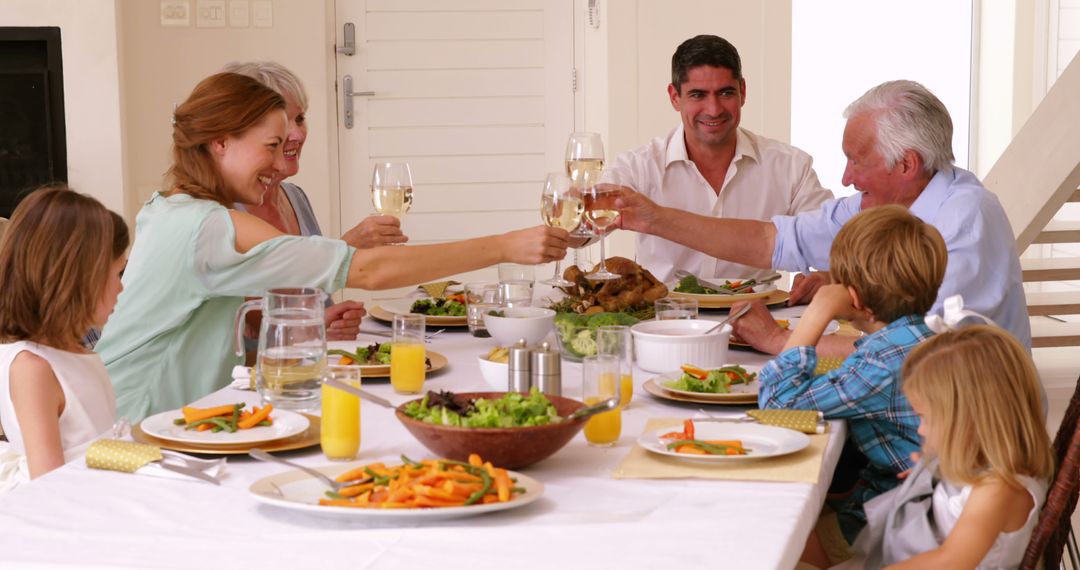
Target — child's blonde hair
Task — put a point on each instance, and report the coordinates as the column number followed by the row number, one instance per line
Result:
column 982, row 393
column 54, row 263
column 893, row 260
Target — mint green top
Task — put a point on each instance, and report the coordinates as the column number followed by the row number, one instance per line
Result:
column 170, row 339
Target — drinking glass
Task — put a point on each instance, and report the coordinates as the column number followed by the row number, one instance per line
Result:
column 292, row 347
column 340, row 432
column 391, row 188
column 407, row 354
column 584, row 153
column 515, row 284
column 560, row 207
column 480, row 297
column 617, row 341
column 670, row 308
column 600, row 214
column 599, row 383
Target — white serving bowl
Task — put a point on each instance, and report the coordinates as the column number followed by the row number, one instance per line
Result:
column 663, row 346
column 529, row 323
column 494, row 373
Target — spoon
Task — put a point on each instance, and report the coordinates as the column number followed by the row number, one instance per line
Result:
column 731, row 318
column 609, row 404
column 334, row 485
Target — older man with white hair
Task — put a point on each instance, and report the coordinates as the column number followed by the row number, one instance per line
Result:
column 898, row 143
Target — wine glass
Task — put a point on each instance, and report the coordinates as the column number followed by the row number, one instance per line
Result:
column 560, row 207
column 584, row 154
column 391, row 188
column 601, row 215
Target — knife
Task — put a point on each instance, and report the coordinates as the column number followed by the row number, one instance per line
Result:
column 189, row 472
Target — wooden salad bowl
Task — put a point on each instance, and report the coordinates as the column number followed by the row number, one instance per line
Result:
column 510, row 448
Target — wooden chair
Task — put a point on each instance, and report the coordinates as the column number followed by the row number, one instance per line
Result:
column 1054, row 530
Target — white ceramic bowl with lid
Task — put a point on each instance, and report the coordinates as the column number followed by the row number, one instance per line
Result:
column 663, row 346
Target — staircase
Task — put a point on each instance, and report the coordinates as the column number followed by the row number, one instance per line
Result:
column 1036, row 176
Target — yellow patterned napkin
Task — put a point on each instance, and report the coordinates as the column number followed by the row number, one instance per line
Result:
column 827, row 364
column 117, row 455
column 437, row 289
column 801, row 467
column 806, row 421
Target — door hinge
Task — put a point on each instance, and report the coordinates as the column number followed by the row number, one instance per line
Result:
column 573, row 80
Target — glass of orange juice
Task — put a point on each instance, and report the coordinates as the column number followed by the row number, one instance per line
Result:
column 407, row 354
column 598, row 383
column 340, row 433
column 617, row 341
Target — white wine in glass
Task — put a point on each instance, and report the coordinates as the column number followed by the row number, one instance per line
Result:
column 560, row 207
column 584, row 163
column 392, row 188
column 601, row 214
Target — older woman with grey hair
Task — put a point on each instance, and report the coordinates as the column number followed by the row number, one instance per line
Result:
column 286, row 206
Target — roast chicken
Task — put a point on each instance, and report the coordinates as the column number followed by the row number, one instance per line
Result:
column 636, row 288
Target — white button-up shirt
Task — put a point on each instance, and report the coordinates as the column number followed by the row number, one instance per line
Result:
column 766, row 178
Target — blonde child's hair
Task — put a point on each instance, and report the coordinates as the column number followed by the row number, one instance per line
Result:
column 982, row 393
column 54, row 263
column 893, row 260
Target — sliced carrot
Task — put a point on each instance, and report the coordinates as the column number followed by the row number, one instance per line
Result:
column 345, row 361
column 690, row 449
column 192, row 415
column 256, row 416
column 356, row 490
column 204, row 427
column 475, row 460
column 502, row 485
column 699, row 373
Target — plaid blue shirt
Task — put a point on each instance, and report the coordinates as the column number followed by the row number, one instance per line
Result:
column 864, row 390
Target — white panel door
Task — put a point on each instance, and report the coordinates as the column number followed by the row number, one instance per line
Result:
column 475, row 95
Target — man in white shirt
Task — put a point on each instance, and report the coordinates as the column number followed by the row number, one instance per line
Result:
column 710, row 166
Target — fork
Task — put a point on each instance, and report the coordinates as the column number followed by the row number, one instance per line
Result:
column 334, row 485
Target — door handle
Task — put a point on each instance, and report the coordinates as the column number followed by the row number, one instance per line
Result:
column 347, row 94
column 348, row 45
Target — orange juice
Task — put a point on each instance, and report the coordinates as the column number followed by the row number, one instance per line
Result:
column 340, row 436
column 626, row 387
column 603, row 429
column 407, row 368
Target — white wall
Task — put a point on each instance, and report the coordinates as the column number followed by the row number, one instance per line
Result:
column 91, row 88
column 841, row 48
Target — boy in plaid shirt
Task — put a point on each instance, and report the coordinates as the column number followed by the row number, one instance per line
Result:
column 886, row 266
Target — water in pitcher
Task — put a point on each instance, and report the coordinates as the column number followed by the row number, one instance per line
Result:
column 292, row 359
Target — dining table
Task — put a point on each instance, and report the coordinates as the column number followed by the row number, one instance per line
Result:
column 75, row 516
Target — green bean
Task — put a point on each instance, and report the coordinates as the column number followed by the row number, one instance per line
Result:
column 480, row 494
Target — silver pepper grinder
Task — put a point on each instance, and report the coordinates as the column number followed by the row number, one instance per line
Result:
column 518, row 367
column 547, row 370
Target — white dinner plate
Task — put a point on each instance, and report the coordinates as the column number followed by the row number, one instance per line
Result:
column 404, row 307
column 760, row 441
column 286, row 424
column 299, row 491
column 832, row 328
column 739, row 392
column 757, row 291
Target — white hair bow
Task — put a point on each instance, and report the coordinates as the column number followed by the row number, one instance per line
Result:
column 954, row 314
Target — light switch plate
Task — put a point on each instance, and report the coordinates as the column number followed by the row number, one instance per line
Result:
column 239, row 13
column 210, row 13
column 176, row 13
column 262, row 13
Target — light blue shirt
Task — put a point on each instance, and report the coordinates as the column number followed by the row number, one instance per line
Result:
column 983, row 265
column 170, row 339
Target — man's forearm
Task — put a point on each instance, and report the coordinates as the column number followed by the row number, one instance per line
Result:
column 749, row 242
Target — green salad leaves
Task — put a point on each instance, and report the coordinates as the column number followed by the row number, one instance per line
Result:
column 511, row 410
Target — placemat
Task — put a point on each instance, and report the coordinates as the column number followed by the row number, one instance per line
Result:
column 800, row 467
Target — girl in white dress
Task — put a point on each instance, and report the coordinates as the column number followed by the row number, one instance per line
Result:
column 60, row 265
column 977, row 395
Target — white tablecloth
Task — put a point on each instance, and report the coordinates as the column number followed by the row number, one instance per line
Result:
column 75, row 516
